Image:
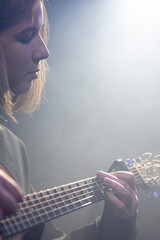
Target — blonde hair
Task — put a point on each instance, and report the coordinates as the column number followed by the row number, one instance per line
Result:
column 29, row 101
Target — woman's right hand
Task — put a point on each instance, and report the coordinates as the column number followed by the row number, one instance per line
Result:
column 10, row 194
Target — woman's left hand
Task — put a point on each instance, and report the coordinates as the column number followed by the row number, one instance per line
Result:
column 124, row 200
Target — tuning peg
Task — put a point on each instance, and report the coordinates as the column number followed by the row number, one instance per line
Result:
column 128, row 161
column 150, row 195
column 154, row 194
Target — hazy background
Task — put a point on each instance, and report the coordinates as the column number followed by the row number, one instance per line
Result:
column 102, row 98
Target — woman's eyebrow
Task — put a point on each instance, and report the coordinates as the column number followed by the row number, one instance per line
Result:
column 30, row 29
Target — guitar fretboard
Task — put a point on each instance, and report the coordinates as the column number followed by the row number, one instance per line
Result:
column 52, row 203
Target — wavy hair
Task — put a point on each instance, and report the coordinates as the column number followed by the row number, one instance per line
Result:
column 11, row 12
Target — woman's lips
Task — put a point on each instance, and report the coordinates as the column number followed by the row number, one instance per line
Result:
column 34, row 71
column 33, row 74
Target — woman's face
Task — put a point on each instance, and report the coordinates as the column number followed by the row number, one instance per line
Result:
column 24, row 48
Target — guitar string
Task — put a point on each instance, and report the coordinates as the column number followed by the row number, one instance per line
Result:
column 28, row 224
column 60, row 197
column 141, row 169
column 135, row 170
column 73, row 191
column 48, row 210
column 27, row 221
column 97, row 181
column 70, row 193
column 86, row 187
column 44, row 214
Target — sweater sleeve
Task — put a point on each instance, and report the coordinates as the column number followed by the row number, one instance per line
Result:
column 14, row 157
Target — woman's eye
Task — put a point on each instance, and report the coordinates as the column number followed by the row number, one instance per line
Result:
column 25, row 40
column 26, row 37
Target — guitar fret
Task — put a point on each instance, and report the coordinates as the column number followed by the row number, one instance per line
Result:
column 31, row 209
column 20, row 219
column 100, row 192
column 41, row 208
column 53, row 204
column 8, row 227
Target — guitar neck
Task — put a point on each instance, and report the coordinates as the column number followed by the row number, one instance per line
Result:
column 52, row 203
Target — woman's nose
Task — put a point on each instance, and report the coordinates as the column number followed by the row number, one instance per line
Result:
column 41, row 51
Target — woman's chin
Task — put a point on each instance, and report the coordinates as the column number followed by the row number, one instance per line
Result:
column 21, row 88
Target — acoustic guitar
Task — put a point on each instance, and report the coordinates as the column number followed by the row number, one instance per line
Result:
column 49, row 204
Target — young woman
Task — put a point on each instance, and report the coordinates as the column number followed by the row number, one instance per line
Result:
column 23, row 29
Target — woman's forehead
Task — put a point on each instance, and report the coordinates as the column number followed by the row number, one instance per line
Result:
column 34, row 18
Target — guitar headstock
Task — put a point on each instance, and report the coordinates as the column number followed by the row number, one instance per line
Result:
column 146, row 170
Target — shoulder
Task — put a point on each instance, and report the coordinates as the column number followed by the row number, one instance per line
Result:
column 12, row 149
column 14, row 157
column 8, row 138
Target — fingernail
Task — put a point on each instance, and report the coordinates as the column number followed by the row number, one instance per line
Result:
column 107, row 180
column 99, row 172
